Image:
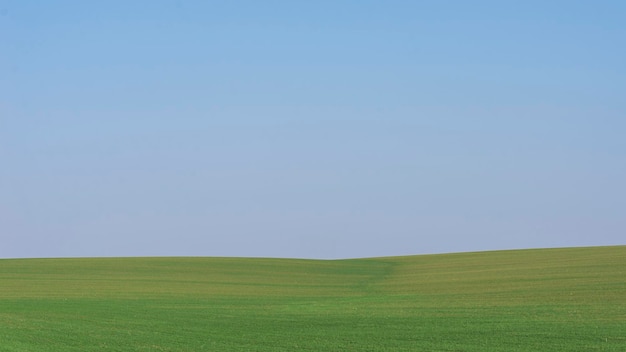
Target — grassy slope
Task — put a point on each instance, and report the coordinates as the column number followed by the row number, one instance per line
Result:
column 532, row 300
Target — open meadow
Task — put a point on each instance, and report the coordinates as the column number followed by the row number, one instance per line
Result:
column 569, row 299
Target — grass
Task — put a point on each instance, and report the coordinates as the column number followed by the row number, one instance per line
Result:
column 571, row 299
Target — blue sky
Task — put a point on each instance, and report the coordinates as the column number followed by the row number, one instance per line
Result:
column 326, row 129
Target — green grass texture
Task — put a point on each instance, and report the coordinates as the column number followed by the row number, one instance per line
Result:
column 567, row 299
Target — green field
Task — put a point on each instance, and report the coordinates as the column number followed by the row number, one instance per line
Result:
column 571, row 299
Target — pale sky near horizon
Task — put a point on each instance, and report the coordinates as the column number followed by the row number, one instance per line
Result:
column 317, row 129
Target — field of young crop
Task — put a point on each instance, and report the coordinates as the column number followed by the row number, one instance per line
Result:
column 571, row 299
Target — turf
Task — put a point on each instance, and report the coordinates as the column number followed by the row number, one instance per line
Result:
column 571, row 299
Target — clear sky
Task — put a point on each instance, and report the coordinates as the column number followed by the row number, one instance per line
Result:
column 315, row 129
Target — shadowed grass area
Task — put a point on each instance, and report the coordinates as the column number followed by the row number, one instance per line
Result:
column 570, row 299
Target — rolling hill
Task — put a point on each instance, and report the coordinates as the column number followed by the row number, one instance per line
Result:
column 567, row 299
